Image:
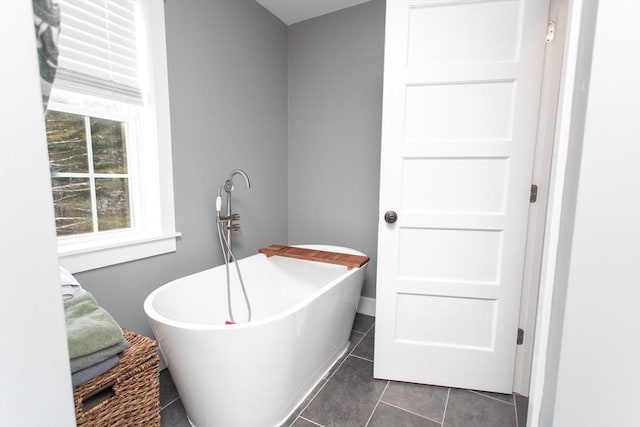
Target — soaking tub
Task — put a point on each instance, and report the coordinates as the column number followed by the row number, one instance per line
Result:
column 254, row 374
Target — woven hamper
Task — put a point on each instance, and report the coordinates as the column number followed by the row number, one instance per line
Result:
column 126, row 395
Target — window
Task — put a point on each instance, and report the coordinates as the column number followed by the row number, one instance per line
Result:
column 89, row 173
column 108, row 134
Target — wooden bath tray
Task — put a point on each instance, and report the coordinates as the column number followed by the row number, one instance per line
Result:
column 348, row 260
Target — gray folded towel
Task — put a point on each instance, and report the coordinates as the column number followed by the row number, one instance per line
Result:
column 93, row 371
column 90, row 359
column 89, row 327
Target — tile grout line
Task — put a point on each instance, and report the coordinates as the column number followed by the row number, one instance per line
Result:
column 170, row 403
column 364, row 334
column 490, row 397
column 336, row 370
column 361, row 358
column 368, row 329
column 411, row 412
column 326, row 380
column 444, row 414
column 377, row 403
column 311, row 400
column 361, row 332
column 311, row 421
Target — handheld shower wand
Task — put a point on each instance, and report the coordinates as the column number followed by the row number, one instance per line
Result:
column 228, row 187
column 228, row 184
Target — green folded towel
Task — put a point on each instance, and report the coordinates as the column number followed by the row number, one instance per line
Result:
column 89, row 327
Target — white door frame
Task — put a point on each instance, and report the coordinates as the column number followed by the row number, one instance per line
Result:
column 553, row 65
column 572, row 99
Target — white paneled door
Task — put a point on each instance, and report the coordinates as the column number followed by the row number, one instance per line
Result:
column 461, row 92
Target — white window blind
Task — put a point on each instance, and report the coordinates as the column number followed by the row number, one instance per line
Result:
column 98, row 49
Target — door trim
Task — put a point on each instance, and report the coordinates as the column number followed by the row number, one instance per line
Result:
column 549, row 98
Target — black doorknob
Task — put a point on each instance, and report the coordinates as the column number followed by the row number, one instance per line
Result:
column 390, row 217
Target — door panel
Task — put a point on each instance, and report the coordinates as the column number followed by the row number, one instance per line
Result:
column 438, row 111
column 461, row 92
column 494, row 26
column 454, row 185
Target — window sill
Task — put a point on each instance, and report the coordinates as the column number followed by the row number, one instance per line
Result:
column 89, row 255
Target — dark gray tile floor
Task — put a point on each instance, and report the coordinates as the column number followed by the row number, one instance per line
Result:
column 349, row 396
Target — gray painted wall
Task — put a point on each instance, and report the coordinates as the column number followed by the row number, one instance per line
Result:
column 231, row 67
column 227, row 84
column 335, row 109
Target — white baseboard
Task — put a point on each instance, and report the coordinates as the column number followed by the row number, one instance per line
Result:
column 367, row 306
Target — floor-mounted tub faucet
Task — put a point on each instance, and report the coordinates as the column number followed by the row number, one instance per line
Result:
column 225, row 225
column 228, row 220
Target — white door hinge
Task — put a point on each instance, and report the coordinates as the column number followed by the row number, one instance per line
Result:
column 551, row 28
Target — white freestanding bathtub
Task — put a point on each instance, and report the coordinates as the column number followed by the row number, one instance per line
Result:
column 254, row 374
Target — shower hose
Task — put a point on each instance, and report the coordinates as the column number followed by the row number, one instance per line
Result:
column 228, row 257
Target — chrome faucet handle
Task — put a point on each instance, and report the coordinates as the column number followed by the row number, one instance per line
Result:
column 232, row 217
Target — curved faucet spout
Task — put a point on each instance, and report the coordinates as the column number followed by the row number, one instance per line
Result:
column 244, row 175
column 228, row 184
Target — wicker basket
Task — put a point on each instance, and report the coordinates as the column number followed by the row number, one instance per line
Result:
column 126, row 395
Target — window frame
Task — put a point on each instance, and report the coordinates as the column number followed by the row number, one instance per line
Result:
column 130, row 117
column 153, row 232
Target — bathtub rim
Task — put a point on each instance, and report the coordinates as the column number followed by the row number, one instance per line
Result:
column 152, row 314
